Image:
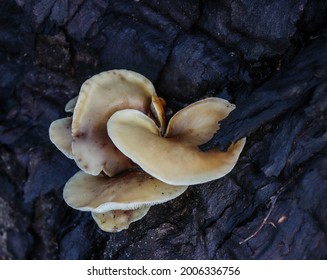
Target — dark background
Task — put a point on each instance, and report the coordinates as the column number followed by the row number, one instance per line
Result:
column 267, row 57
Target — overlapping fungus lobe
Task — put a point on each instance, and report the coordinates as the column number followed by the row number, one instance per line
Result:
column 129, row 159
column 175, row 157
column 100, row 97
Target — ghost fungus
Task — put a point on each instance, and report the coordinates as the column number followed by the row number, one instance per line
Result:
column 100, row 97
column 181, row 160
column 118, row 220
column 130, row 158
column 126, row 191
column 60, row 135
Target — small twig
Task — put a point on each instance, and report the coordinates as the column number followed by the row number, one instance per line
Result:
column 272, row 224
column 273, row 200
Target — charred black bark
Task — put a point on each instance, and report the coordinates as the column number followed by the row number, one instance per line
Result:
column 286, row 90
column 270, row 59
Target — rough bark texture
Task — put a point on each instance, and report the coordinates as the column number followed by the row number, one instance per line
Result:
column 267, row 57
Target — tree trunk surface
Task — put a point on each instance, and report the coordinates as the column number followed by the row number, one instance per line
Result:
column 267, row 57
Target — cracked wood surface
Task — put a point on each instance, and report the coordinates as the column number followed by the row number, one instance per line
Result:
column 276, row 76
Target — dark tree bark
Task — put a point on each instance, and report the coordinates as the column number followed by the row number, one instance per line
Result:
column 267, row 57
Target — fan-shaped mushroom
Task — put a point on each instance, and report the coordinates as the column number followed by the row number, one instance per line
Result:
column 117, row 201
column 99, row 97
column 176, row 158
column 126, row 191
column 118, row 120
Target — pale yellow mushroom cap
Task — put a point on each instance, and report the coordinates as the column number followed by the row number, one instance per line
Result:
column 60, row 134
column 118, row 220
column 60, row 131
column 126, row 191
column 100, row 97
column 176, row 158
column 70, row 106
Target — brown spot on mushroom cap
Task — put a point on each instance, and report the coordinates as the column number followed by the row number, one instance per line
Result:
column 100, row 97
column 126, row 191
column 176, row 158
column 60, row 134
column 118, row 220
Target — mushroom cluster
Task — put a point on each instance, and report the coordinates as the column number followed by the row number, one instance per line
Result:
column 130, row 158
